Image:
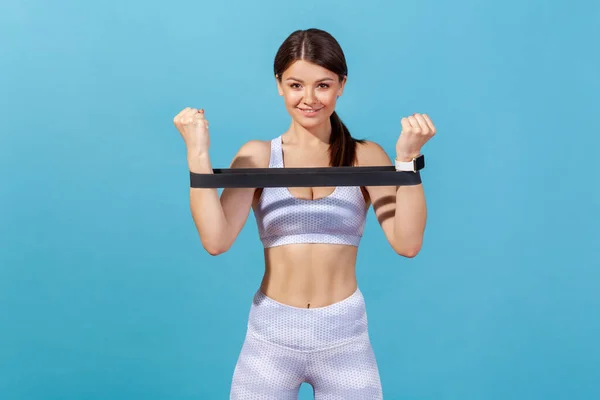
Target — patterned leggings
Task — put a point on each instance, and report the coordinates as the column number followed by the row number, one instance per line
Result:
column 327, row 347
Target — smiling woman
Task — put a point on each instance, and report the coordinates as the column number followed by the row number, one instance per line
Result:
column 308, row 320
column 320, row 96
column 311, row 72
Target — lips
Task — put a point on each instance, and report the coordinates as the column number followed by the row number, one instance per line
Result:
column 309, row 111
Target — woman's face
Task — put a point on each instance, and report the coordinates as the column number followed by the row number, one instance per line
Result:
column 310, row 92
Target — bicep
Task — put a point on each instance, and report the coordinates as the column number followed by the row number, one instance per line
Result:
column 236, row 202
column 383, row 198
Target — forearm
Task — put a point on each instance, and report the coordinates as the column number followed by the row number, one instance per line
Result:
column 410, row 218
column 206, row 209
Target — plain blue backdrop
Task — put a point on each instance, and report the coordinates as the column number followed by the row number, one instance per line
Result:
column 105, row 290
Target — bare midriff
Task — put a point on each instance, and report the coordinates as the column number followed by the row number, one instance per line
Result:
column 309, row 275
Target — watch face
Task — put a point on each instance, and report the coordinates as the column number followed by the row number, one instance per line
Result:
column 420, row 162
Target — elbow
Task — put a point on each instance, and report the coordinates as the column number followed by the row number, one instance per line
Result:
column 215, row 249
column 409, row 251
column 214, row 242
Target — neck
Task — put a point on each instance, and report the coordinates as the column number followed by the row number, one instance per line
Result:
column 318, row 135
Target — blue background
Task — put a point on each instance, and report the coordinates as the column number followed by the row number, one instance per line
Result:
column 105, row 290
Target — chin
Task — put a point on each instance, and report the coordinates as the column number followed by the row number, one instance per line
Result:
column 310, row 122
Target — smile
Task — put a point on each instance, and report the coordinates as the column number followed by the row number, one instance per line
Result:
column 309, row 111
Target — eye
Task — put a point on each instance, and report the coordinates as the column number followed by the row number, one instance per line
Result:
column 324, row 85
column 294, row 85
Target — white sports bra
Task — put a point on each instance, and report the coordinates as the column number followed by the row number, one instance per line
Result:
column 283, row 218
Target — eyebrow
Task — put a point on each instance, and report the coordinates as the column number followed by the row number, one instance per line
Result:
column 291, row 78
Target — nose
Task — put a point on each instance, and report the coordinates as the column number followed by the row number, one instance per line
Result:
column 309, row 97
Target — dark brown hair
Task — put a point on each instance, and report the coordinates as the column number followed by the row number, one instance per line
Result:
column 319, row 47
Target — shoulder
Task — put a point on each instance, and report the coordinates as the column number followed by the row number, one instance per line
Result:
column 253, row 154
column 370, row 153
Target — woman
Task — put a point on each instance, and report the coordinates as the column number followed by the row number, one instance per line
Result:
column 308, row 321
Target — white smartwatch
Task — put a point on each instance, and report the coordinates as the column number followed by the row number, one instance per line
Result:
column 416, row 164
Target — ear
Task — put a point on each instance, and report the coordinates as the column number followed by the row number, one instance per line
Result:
column 279, row 87
column 342, row 86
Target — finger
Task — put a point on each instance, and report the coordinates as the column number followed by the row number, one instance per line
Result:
column 180, row 114
column 197, row 120
column 183, row 116
column 424, row 126
column 199, row 114
column 416, row 128
column 191, row 113
column 405, row 125
column 191, row 116
column 429, row 122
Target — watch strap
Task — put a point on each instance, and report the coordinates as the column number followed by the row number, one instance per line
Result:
column 414, row 165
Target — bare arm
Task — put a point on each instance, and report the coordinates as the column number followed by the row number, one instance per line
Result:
column 220, row 220
column 400, row 210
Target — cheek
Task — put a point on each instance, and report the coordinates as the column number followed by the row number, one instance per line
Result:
column 292, row 98
column 329, row 98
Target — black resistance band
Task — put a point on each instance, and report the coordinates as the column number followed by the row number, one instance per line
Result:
column 304, row 177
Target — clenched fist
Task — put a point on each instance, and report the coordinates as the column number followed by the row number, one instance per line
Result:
column 417, row 129
column 193, row 127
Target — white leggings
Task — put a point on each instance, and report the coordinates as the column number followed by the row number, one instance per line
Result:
column 327, row 347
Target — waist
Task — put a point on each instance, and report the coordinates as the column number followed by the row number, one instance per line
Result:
column 308, row 329
column 309, row 275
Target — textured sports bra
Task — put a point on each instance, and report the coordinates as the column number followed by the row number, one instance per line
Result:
column 284, row 219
